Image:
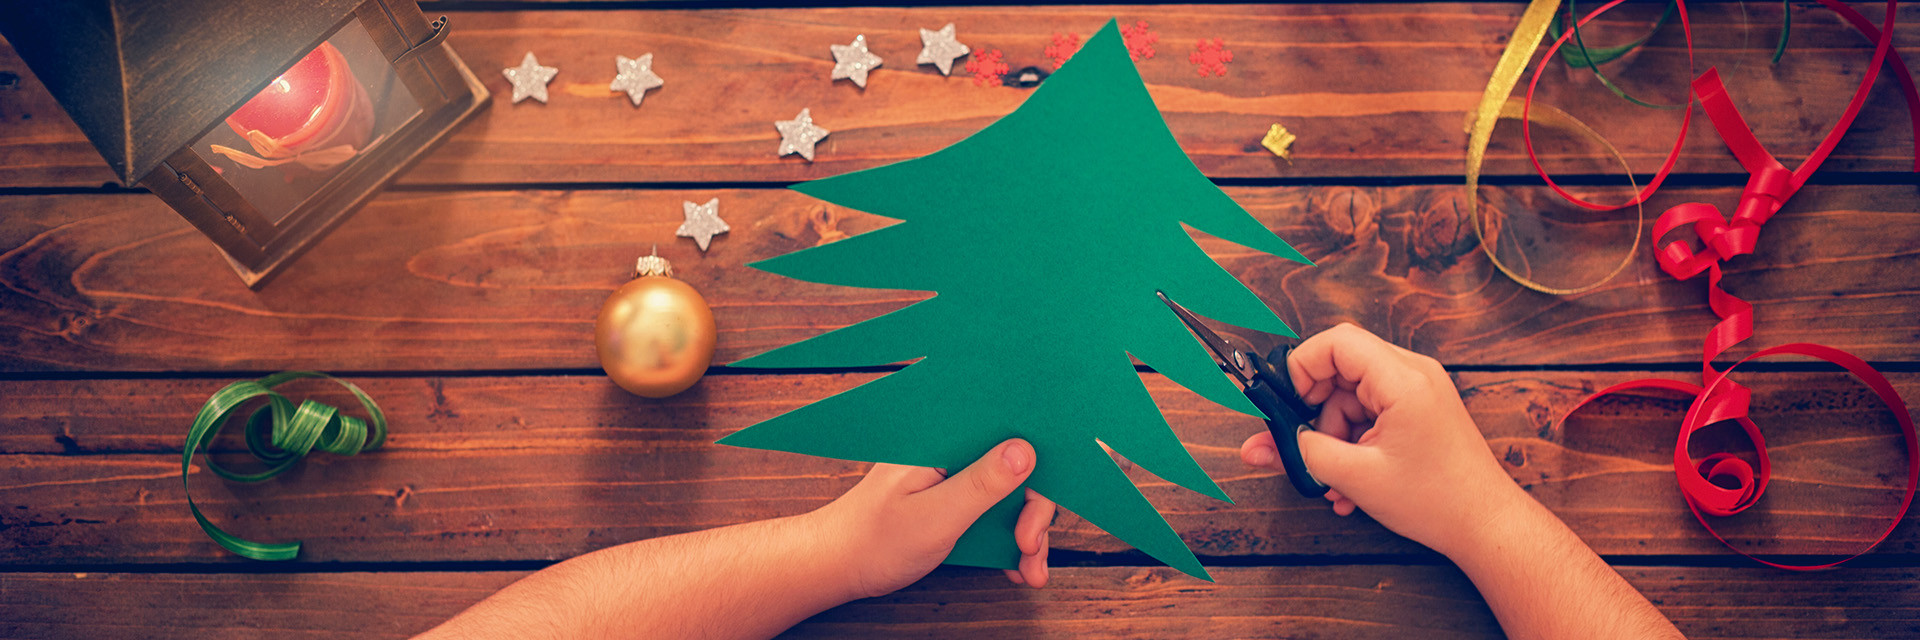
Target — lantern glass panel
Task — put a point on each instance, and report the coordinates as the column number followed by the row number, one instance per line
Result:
column 285, row 144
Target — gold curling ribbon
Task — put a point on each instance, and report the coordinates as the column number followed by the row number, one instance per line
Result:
column 1496, row 104
column 1550, row 116
column 276, row 154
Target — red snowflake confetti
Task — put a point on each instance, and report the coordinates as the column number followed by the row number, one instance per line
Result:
column 1212, row 57
column 1139, row 40
column 1063, row 47
column 986, row 67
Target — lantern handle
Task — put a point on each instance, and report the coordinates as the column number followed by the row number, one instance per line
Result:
column 439, row 35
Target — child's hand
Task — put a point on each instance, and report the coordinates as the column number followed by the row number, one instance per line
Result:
column 900, row 522
column 1393, row 439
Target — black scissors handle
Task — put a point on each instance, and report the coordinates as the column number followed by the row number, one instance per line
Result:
column 1266, row 383
column 1287, row 416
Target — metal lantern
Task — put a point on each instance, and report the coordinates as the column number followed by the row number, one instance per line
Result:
column 262, row 122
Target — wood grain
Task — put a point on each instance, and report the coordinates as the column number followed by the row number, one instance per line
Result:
column 1113, row 602
column 501, row 280
column 463, row 301
column 544, row 468
column 1372, row 89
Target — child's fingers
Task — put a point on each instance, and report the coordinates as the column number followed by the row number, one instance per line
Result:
column 1259, row 451
column 1374, row 367
column 1339, row 463
column 955, row 503
column 1345, row 351
column 1312, row 388
column 1334, row 422
column 1342, row 416
column 1364, row 434
column 1030, row 530
column 1033, row 568
column 1317, row 392
column 1342, row 505
column 909, row 479
column 1032, row 536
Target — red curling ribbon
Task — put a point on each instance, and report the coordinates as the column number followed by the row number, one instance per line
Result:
column 1526, row 128
column 1723, row 399
column 1852, row 17
column 1769, row 186
column 1900, row 73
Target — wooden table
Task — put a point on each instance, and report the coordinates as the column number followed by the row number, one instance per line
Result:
column 463, row 299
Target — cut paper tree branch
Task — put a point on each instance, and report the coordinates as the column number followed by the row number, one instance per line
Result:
column 1044, row 283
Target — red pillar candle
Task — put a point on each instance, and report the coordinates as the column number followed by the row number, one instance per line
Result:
column 317, row 104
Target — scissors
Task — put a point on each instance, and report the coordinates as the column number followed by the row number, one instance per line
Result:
column 1266, row 383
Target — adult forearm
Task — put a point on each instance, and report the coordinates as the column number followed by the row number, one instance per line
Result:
column 745, row 581
column 1542, row 581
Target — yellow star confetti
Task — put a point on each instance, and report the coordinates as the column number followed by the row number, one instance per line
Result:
column 1280, row 142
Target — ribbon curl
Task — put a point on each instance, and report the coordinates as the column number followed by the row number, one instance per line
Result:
column 1533, row 26
column 1583, row 57
column 1666, row 168
column 1770, row 185
column 295, row 432
column 1547, row 115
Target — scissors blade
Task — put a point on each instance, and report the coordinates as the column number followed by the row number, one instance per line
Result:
column 1223, row 352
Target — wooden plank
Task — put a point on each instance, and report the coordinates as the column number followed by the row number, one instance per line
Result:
column 544, row 468
column 1372, row 90
column 513, row 279
column 1106, row 602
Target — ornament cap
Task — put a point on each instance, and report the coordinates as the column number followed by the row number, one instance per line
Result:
column 653, row 265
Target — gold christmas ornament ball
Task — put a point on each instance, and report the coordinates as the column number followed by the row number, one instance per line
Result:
column 655, row 334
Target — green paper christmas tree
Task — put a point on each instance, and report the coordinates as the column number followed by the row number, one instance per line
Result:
column 1044, row 237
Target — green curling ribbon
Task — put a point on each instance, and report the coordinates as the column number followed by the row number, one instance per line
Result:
column 1786, row 27
column 295, row 432
column 1579, row 56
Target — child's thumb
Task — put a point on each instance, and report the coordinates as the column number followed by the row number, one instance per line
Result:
column 1333, row 461
column 968, row 494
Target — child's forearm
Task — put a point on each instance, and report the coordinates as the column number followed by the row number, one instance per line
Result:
column 1542, row 581
column 754, row 580
column 745, row 581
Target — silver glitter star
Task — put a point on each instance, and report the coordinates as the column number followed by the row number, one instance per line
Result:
column 703, row 222
column 799, row 134
column 938, row 48
column 530, row 79
column 635, row 77
column 853, row 61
